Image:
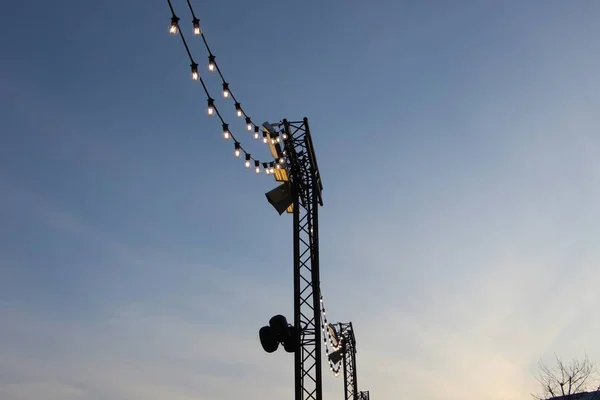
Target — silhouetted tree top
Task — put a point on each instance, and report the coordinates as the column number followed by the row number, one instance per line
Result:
column 566, row 380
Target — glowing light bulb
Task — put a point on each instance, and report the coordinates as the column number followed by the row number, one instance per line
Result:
column 174, row 28
column 211, row 107
column 266, row 168
column 277, row 139
column 247, row 163
column 226, row 133
column 195, row 74
column 256, row 132
column 197, row 29
column 211, row 63
column 281, row 161
column 248, row 124
column 238, row 109
column 265, row 139
column 272, row 167
column 237, row 150
column 285, row 136
column 226, row 91
column 257, row 166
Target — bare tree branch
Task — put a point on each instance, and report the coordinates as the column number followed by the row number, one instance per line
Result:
column 564, row 380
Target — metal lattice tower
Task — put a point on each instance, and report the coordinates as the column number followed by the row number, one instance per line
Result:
column 363, row 395
column 346, row 332
column 306, row 188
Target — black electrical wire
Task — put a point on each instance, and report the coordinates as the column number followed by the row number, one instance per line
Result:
column 193, row 63
column 212, row 57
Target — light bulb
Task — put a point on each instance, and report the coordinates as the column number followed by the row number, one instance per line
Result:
column 237, row 150
column 265, row 137
column 248, row 123
column 226, row 92
column 211, row 107
column 226, row 133
column 211, row 63
column 256, row 132
column 257, row 166
column 197, row 29
column 277, row 139
column 195, row 75
column 174, row 29
column 238, row 109
column 272, row 168
column 285, row 136
column 247, row 160
column 281, row 161
column 266, row 168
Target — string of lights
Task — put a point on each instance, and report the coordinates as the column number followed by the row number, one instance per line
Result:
column 328, row 340
column 268, row 167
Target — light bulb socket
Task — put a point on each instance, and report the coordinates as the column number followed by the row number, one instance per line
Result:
column 211, row 63
column 194, row 68
column 226, row 92
column 174, row 25
column 226, row 133
column 197, row 29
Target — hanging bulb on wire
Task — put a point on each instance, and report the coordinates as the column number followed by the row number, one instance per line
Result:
column 248, row 158
column 211, row 63
column 256, row 132
column 266, row 168
column 237, row 150
column 174, row 28
column 195, row 74
column 265, row 139
column 197, row 29
column 211, row 107
column 257, row 166
column 248, row 123
column 272, row 167
column 226, row 133
column 238, row 109
column 226, row 91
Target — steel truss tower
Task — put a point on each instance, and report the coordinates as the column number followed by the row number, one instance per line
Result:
column 307, row 187
column 349, row 349
column 363, row 395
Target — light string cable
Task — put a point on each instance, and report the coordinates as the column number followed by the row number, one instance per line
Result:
column 328, row 340
column 212, row 109
column 214, row 67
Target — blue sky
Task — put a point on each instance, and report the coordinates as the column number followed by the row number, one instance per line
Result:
column 459, row 148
